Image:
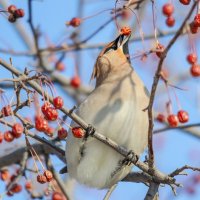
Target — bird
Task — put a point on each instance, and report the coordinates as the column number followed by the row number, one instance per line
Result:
column 116, row 109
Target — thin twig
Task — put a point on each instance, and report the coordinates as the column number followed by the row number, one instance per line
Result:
column 155, row 84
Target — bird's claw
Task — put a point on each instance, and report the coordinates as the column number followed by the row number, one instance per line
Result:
column 130, row 158
column 90, row 130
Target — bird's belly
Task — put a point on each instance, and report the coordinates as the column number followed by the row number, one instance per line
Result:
column 118, row 122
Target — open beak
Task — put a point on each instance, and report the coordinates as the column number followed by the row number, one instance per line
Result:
column 120, row 42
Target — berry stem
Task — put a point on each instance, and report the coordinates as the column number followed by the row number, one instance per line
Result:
column 115, row 17
column 30, row 149
column 169, row 105
column 191, row 42
column 98, row 13
column 42, row 90
column 48, row 85
column 34, row 153
column 64, row 123
column 140, row 28
column 177, row 100
column 154, row 22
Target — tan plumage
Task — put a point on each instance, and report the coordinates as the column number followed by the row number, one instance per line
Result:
column 115, row 109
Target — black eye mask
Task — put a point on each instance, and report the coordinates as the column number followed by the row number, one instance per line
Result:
column 121, row 40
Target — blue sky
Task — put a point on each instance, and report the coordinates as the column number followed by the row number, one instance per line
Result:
column 173, row 148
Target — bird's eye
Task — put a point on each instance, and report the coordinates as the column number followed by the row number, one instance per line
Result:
column 111, row 48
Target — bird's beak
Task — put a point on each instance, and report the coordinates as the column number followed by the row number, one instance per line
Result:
column 122, row 42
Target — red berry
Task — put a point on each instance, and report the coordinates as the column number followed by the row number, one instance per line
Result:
column 126, row 30
column 197, row 20
column 195, row 70
column 183, row 116
column 1, row 137
column 58, row 102
column 196, row 178
column 19, row 13
column 57, row 196
column 78, row 132
column 193, row 28
column 125, row 14
column 170, row 21
column 62, row 133
column 75, row 82
column 41, row 124
column 160, row 49
column 60, row 66
column 28, row 185
column 13, row 177
column 6, row 110
column 190, row 190
column 41, row 179
column 45, row 106
column 48, row 174
column 8, row 136
column 50, row 131
column 9, row 193
column 12, row 18
column 74, row 22
column 160, row 117
column 185, row 2
column 192, row 58
column 12, row 9
column 168, row 9
column 17, row 130
column 16, row 188
column 172, row 120
column 5, row 175
column 51, row 114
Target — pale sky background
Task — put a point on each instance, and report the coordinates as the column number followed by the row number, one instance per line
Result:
column 173, row 149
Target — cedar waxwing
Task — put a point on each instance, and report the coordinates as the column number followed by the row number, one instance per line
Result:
column 116, row 109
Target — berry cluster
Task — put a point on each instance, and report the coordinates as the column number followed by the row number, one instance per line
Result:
column 16, row 188
column 10, row 135
column 174, row 119
column 9, row 180
column 14, row 13
column 168, row 10
column 195, row 68
column 6, row 111
column 49, row 113
column 47, row 176
column 182, row 117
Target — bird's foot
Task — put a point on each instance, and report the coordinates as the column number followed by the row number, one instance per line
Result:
column 90, row 130
column 130, row 158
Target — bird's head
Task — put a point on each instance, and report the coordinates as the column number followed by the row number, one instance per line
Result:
column 114, row 57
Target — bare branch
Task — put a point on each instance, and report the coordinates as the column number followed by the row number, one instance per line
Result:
column 155, row 84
